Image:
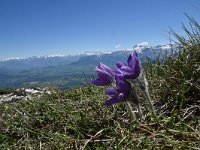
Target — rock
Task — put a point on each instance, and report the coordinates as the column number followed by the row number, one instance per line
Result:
column 23, row 94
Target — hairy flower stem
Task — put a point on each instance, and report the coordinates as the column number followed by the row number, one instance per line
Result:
column 133, row 118
column 145, row 90
column 135, row 100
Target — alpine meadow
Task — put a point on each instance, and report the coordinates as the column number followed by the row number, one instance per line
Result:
column 143, row 104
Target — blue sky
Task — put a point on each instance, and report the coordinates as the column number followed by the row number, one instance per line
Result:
column 47, row 27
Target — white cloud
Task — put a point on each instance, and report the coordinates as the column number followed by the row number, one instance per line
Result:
column 129, row 49
column 118, row 46
column 143, row 44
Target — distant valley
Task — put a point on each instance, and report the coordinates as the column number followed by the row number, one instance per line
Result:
column 67, row 71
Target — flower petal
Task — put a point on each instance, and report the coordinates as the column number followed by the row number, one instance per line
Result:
column 112, row 92
column 105, row 76
column 120, row 64
column 99, row 82
column 130, row 73
column 132, row 59
column 112, row 101
column 127, row 69
column 117, row 72
column 123, row 85
column 134, row 63
column 137, row 69
column 101, row 66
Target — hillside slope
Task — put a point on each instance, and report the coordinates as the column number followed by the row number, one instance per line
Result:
column 77, row 119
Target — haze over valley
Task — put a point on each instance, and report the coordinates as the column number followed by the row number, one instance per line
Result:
column 68, row 71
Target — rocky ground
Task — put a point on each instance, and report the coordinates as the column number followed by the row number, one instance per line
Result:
column 22, row 94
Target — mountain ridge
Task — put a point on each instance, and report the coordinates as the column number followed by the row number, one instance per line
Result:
column 66, row 71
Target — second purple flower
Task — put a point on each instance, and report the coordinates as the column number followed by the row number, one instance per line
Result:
column 120, row 93
column 132, row 69
column 105, row 74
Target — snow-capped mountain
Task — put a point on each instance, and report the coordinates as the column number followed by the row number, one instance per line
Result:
column 19, row 64
column 144, row 50
column 90, row 53
column 141, row 46
column 68, row 71
column 89, row 57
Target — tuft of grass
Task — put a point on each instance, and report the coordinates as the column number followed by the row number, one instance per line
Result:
column 176, row 81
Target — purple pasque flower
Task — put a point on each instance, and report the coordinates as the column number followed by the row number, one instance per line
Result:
column 133, row 69
column 105, row 74
column 120, row 93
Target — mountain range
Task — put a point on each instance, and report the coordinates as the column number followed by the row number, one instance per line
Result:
column 71, row 70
